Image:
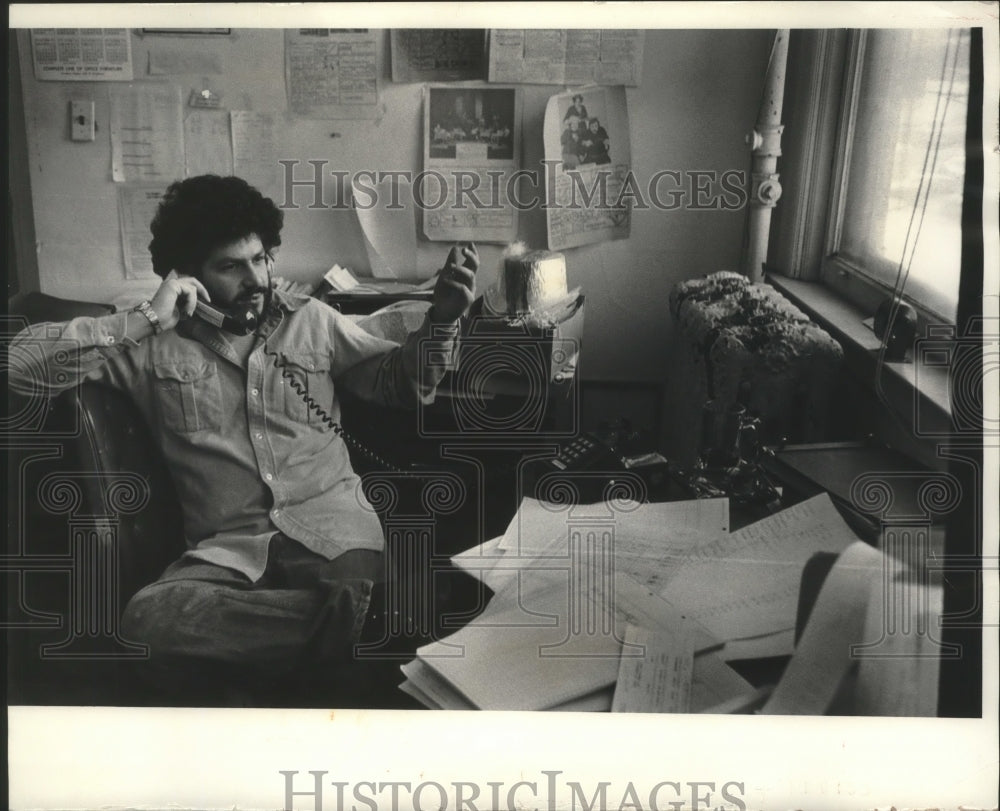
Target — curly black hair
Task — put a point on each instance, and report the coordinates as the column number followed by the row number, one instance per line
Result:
column 198, row 214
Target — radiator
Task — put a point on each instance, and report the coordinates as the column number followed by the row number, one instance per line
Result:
column 740, row 342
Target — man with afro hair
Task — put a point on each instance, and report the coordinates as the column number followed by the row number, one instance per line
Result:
column 283, row 554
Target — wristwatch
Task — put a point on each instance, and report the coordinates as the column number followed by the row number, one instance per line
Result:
column 147, row 310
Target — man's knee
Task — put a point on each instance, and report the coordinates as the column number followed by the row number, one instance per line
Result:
column 150, row 617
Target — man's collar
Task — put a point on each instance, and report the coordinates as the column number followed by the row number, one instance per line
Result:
column 288, row 301
column 282, row 302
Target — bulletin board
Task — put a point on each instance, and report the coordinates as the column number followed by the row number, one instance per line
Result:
column 233, row 93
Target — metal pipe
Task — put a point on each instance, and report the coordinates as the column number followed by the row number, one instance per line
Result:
column 765, row 142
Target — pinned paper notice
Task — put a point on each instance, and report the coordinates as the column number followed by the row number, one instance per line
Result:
column 255, row 152
column 386, row 216
column 659, row 680
column 147, row 134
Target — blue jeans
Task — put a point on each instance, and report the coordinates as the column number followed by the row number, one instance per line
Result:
column 204, row 622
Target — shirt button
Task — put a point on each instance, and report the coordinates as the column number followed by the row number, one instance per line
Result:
column 258, row 435
column 111, row 339
column 254, row 392
column 275, row 513
column 268, row 476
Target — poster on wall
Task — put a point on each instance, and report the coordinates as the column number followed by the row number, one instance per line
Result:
column 82, row 54
column 137, row 205
column 332, row 72
column 472, row 148
column 586, row 135
column 438, row 54
column 566, row 56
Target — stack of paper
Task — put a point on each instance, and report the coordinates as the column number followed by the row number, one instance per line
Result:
column 576, row 613
column 642, row 610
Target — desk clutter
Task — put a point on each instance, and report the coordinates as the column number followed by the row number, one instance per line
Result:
column 627, row 607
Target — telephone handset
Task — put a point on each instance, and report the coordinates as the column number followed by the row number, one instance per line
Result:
column 240, row 321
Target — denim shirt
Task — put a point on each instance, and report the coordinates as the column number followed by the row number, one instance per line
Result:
column 247, row 455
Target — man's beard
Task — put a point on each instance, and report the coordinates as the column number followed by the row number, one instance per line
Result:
column 247, row 298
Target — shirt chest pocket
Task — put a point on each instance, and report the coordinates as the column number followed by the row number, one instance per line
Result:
column 305, row 379
column 189, row 395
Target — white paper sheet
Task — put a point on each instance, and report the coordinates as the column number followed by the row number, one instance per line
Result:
column 566, row 56
column 588, row 185
column 714, row 683
column 650, row 542
column 795, row 533
column 746, row 584
column 737, row 599
column 537, row 523
column 781, row 643
column 837, row 621
column 331, row 73
column 655, row 561
column 82, row 55
column 208, row 145
column 255, row 155
column 651, row 561
column 479, row 562
column 147, row 133
column 137, row 206
column 386, row 214
column 899, row 670
column 660, row 679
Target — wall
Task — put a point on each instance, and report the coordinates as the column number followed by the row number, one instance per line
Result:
column 699, row 96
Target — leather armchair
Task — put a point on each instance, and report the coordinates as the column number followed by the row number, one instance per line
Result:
column 92, row 518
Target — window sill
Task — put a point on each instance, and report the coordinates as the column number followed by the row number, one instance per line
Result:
column 917, row 393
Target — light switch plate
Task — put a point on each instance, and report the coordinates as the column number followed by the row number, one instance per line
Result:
column 81, row 120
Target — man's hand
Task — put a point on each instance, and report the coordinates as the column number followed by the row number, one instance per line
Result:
column 176, row 298
column 456, row 285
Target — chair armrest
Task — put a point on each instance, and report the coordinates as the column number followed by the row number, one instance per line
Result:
column 38, row 307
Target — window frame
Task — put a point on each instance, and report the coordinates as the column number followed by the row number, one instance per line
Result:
column 810, row 235
column 821, row 104
column 851, row 279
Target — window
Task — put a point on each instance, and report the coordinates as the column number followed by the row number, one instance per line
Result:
column 900, row 161
column 873, row 169
column 873, row 166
